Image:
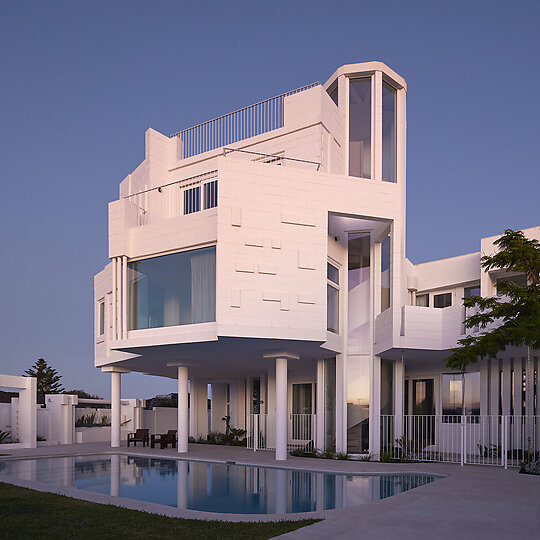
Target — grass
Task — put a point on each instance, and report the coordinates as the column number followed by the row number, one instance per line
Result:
column 25, row 513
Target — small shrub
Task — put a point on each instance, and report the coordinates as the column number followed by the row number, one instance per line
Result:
column 4, row 437
column 386, row 457
column 342, row 455
column 366, row 457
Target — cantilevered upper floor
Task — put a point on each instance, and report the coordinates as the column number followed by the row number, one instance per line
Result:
column 227, row 229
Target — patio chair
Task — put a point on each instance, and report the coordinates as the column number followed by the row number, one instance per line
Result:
column 141, row 435
column 164, row 439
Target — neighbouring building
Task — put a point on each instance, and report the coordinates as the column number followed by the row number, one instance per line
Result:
column 259, row 258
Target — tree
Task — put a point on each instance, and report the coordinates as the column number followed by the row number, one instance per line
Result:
column 512, row 318
column 82, row 394
column 48, row 380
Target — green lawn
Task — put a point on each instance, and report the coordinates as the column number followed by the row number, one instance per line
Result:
column 25, row 513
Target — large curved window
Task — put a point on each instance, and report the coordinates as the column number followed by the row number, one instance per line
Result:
column 173, row 290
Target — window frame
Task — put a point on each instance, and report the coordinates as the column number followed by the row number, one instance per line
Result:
column 336, row 286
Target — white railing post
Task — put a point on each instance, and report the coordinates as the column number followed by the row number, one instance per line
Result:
column 505, row 441
column 463, row 461
column 255, row 432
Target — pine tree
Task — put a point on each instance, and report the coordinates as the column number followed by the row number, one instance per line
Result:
column 513, row 316
column 48, row 380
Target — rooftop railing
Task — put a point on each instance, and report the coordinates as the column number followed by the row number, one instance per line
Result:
column 242, row 124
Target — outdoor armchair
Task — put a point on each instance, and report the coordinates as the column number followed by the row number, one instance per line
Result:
column 141, row 435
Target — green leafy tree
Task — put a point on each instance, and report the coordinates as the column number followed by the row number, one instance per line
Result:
column 512, row 318
column 48, row 380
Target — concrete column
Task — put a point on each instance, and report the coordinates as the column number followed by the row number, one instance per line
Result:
column 341, row 403
column 271, row 400
column 281, row 409
column 183, row 427
column 375, row 407
column 320, row 405
column 115, row 409
column 399, row 381
column 124, row 298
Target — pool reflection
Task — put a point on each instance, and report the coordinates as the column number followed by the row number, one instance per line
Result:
column 212, row 487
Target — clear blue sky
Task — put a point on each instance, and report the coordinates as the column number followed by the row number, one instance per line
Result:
column 80, row 82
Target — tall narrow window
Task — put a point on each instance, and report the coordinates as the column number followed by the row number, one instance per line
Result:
column 358, row 288
column 360, row 127
column 192, row 200
column 102, row 318
column 389, row 168
column 332, row 293
column 385, row 274
column 422, row 300
column 210, row 194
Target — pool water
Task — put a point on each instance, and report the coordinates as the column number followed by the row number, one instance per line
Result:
column 211, row 487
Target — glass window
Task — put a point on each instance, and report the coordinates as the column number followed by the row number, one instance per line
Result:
column 192, row 200
column 442, row 300
column 359, row 288
column 332, row 299
column 422, row 300
column 102, row 318
column 389, row 93
column 333, row 93
column 385, row 274
column 453, row 397
column 332, row 273
column 210, row 194
column 519, row 280
column 360, row 127
column 330, row 403
column 173, row 290
column 357, row 404
column 471, row 291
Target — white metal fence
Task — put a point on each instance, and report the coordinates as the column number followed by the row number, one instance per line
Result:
column 301, row 429
column 236, row 126
column 478, row 439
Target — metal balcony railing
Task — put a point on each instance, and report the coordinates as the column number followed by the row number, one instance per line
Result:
column 244, row 123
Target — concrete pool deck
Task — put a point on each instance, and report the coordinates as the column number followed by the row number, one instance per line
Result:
column 477, row 502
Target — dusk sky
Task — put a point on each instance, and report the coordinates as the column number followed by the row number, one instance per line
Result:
column 80, row 82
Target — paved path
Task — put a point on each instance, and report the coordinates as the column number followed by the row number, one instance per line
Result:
column 472, row 502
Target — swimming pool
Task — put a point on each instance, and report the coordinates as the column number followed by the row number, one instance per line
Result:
column 211, row 487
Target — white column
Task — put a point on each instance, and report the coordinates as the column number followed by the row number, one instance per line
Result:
column 115, row 409
column 114, row 299
column 320, row 405
column 183, row 409
column 399, row 378
column 341, row 403
column 375, row 407
column 124, row 298
column 281, row 408
column 271, row 400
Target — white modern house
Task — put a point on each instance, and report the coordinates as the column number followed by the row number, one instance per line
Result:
column 259, row 258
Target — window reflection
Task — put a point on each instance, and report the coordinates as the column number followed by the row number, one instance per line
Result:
column 388, row 133
column 173, row 290
column 360, row 127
